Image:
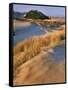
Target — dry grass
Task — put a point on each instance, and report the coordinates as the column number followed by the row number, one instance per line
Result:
column 29, row 48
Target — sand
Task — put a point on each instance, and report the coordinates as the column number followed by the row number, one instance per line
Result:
column 41, row 69
column 34, row 65
column 18, row 23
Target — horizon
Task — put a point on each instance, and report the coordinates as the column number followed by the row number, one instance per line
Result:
column 47, row 10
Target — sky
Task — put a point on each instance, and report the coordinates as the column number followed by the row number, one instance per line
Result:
column 47, row 10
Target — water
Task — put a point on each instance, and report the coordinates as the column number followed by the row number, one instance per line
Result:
column 59, row 53
column 22, row 33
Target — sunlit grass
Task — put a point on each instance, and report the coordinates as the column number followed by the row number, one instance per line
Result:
column 31, row 47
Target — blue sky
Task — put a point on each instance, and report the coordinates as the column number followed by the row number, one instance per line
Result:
column 47, row 10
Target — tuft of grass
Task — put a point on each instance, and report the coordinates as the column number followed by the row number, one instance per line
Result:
column 29, row 48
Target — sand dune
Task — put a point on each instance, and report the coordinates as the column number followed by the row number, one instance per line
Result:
column 33, row 65
column 41, row 69
column 31, row 47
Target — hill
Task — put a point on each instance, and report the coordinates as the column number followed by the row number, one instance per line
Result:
column 34, row 14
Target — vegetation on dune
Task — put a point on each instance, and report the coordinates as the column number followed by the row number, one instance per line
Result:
column 25, row 51
column 29, row 48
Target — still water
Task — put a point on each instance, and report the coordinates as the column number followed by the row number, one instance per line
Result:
column 22, row 33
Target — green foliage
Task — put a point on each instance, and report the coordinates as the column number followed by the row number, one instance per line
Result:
column 36, row 15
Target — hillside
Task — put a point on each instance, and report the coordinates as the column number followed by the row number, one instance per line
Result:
column 36, row 15
column 33, row 14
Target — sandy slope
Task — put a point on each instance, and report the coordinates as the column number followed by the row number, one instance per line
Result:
column 34, row 65
column 39, row 70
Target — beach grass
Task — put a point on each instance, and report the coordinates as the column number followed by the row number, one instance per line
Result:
column 31, row 47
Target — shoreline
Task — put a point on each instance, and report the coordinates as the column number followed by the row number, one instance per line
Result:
column 33, row 57
column 18, row 23
column 27, row 22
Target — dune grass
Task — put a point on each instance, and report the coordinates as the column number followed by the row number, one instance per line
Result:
column 29, row 48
